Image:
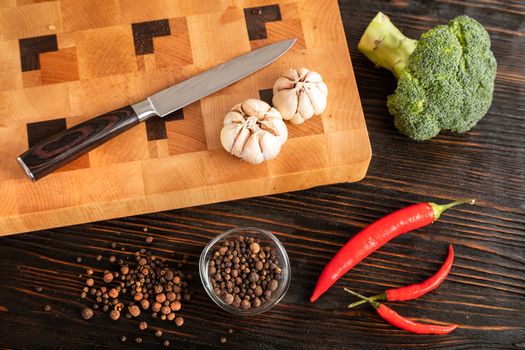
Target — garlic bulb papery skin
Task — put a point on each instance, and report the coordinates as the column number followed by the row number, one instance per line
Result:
column 299, row 95
column 253, row 131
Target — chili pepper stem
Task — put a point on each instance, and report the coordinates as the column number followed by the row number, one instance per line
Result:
column 440, row 208
column 376, row 297
column 374, row 303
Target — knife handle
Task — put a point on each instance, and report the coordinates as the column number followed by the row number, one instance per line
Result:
column 67, row 145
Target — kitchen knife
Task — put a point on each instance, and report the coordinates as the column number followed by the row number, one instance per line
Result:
column 65, row 146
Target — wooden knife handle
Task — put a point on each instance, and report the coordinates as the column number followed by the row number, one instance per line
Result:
column 64, row 147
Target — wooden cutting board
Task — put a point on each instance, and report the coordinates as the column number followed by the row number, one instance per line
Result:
column 65, row 61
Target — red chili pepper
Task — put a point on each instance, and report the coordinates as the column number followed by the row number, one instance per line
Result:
column 414, row 291
column 401, row 322
column 375, row 236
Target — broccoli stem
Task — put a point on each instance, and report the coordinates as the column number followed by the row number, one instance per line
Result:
column 385, row 45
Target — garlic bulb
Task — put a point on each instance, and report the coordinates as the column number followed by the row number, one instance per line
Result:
column 299, row 95
column 253, row 131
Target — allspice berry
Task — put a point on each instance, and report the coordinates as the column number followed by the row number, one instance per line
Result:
column 134, row 310
column 108, row 277
column 158, row 333
column 245, row 304
column 87, row 313
column 179, row 321
column 90, row 282
column 114, row 314
column 255, row 247
column 165, row 310
column 175, row 306
column 113, row 293
column 161, row 297
column 144, row 304
column 143, row 325
column 156, row 307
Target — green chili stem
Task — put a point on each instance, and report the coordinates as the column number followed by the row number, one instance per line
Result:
column 374, row 303
column 440, row 208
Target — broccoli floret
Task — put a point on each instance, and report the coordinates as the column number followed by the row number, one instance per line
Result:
column 445, row 80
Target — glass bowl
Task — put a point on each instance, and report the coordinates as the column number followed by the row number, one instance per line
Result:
column 265, row 238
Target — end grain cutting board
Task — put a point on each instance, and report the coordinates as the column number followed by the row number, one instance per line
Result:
column 65, row 61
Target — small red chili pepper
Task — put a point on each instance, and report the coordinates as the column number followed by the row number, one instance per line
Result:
column 401, row 322
column 414, row 291
column 375, row 236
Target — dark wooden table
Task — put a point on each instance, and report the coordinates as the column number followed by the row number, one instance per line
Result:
column 484, row 294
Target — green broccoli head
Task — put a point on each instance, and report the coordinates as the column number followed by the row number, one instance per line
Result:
column 446, row 82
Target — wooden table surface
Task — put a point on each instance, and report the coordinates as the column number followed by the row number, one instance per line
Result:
column 484, row 293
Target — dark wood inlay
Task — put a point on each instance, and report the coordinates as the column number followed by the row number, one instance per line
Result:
column 257, row 17
column 156, row 126
column 266, row 95
column 144, row 32
column 30, row 48
column 39, row 131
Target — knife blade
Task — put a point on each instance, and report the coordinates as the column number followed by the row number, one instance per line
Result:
column 65, row 146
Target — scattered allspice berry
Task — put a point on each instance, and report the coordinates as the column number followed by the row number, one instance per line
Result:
column 134, row 310
column 230, row 331
column 38, row 289
column 99, row 257
column 123, row 338
column 47, row 308
column 114, row 314
column 87, row 313
column 149, row 240
column 223, row 340
column 79, row 259
column 166, row 343
column 140, row 285
column 108, row 277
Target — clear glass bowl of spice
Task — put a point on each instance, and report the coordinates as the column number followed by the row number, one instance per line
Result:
column 246, row 271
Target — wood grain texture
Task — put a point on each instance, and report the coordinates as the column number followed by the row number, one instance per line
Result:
column 103, row 66
column 484, row 293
